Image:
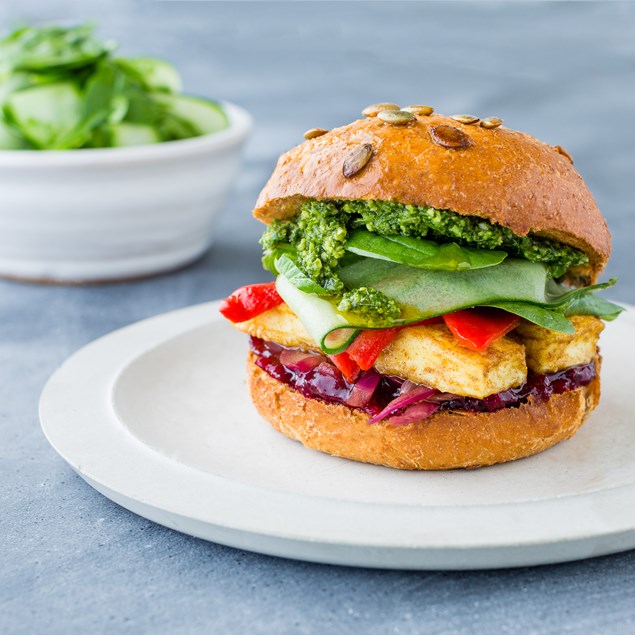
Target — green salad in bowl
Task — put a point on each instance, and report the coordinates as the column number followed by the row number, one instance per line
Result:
column 62, row 88
column 108, row 171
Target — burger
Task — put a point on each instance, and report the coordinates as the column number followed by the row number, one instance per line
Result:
column 434, row 303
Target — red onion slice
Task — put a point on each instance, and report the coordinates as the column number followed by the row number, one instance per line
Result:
column 328, row 370
column 300, row 360
column 364, row 389
column 416, row 412
column 407, row 387
column 440, row 397
column 412, row 395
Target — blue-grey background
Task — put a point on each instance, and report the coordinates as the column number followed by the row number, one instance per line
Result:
column 70, row 560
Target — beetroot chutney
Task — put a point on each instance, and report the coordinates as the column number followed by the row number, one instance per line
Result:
column 317, row 378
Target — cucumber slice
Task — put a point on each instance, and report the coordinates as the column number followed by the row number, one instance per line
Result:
column 44, row 114
column 205, row 116
column 438, row 292
column 133, row 134
column 10, row 139
column 154, row 73
column 10, row 84
column 331, row 330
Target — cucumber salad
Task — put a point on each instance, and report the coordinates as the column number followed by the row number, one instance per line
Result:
column 61, row 88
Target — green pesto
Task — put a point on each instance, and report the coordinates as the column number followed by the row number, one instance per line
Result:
column 319, row 233
column 389, row 219
column 373, row 305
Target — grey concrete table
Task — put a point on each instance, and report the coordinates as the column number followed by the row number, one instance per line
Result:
column 71, row 561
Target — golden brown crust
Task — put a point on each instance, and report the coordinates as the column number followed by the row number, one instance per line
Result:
column 505, row 176
column 445, row 440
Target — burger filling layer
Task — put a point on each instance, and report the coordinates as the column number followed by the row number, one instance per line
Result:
column 403, row 311
column 429, row 354
column 392, row 398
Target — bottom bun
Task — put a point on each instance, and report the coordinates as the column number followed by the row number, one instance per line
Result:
column 443, row 441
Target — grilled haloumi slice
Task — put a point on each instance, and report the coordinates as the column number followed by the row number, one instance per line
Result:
column 432, row 356
column 279, row 325
column 550, row 351
column 424, row 354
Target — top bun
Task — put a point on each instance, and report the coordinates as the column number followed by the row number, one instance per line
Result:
column 505, row 176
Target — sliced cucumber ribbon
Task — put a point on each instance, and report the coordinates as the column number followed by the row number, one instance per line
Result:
column 330, row 329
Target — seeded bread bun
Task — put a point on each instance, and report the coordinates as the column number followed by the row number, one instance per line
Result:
column 443, row 441
column 505, row 176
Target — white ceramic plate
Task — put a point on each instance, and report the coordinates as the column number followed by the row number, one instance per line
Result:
column 156, row 416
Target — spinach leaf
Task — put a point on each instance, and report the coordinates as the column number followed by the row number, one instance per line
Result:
column 590, row 304
column 538, row 315
column 270, row 256
column 153, row 74
column 102, row 97
column 559, row 295
column 420, row 253
column 52, row 48
column 287, row 267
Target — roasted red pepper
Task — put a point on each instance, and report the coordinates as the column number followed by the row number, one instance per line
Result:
column 478, row 328
column 367, row 346
column 347, row 366
column 249, row 301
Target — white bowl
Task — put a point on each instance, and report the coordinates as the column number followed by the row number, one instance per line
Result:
column 115, row 213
